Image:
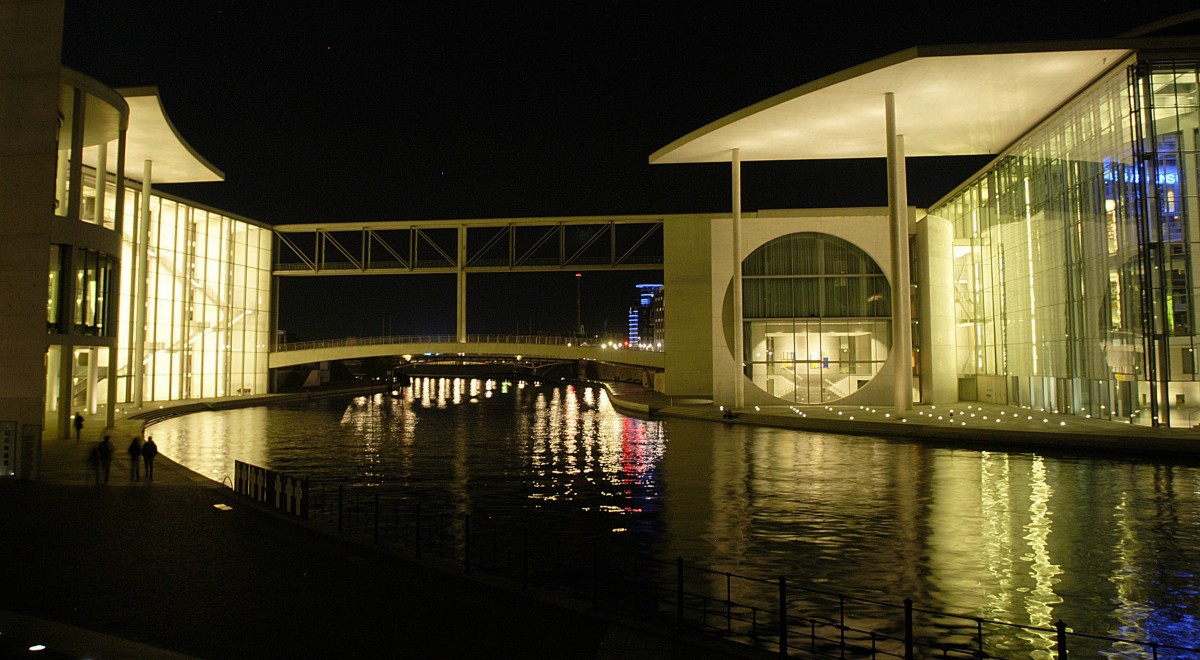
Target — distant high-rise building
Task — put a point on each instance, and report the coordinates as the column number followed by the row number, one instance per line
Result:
column 642, row 317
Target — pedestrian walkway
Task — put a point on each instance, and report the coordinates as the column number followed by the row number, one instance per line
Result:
column 966, row 424
column 156, row 569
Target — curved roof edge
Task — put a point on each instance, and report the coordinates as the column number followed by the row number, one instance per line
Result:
column 95, row 88
column 835, row 106
column 152, row 136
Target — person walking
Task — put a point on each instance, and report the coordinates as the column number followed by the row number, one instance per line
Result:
column 135, row 455
column 78, row 425
column 106, row 451
column 149, row 451
column 93, row 462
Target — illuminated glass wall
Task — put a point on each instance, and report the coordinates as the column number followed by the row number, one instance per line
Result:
column 207, row 303
column 1073, row 257
column 817, row 313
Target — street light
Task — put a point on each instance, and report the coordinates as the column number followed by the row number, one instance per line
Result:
column 578, row 305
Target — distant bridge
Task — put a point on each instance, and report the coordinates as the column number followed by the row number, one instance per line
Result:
column 506, row 347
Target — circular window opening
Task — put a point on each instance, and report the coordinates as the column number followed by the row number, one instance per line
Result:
column 817, row 315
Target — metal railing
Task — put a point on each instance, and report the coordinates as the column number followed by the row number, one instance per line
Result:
column 777, row 614
column 539, row 340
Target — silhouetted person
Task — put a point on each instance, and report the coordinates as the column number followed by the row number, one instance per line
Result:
column 149, row 451
column 135, row 455
column 78, row 425
column 106, row 450
column 94, row 463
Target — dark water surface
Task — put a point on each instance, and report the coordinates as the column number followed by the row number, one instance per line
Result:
column 1109, row 546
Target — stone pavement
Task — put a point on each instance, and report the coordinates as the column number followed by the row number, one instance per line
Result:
column 966, row 424
column 141, row 569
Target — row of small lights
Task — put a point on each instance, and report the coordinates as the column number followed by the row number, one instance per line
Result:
column 922, row 413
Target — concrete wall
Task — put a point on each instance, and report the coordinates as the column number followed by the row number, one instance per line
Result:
column 687, row 287
column 30, row 53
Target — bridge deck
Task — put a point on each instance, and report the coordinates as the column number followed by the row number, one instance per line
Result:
column 489, row 346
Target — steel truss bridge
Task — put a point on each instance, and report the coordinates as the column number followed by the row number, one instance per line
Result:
column 467, row 246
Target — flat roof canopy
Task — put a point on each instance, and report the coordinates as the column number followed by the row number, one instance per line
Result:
column 950, row 101
column 151, row 136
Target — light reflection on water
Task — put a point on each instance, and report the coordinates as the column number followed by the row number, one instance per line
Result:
column 1107, row 546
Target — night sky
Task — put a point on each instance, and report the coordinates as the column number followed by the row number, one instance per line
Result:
column 349, row 112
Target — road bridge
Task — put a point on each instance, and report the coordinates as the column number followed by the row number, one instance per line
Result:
column 483, row 346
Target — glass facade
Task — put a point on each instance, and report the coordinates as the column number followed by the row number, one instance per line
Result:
column 1073, row 258
column 208, row 300
column 817, row 314
column 205, row 281
column 80, row 315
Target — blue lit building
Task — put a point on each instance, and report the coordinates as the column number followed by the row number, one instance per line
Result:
column 642, row 317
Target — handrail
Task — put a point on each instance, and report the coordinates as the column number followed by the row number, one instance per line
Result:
column 778, row 613
column 537, row 340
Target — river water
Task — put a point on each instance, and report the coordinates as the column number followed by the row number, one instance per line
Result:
column 1110, row 546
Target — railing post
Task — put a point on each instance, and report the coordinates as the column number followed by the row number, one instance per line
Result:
column 376, row 517
column 339, row 508
column 783, row 627
column 908, row 629
column 679, row 592
column 467, row 544
column 524, row 558
column 595, row 573
column 1061, row 626
column 728, row 604
column 842, row 623
column 418, row 530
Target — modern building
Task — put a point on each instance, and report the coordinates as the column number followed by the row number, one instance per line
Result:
column 1062, row 276
column 111, row 293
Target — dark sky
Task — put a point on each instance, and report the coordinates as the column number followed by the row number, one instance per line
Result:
column 348, row 111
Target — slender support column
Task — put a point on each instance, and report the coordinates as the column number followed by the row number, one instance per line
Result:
column 461, row 306
column 139, row 288
column 93, row 379
column 739, row 384
column 66, row 383
column 101, row 181
column 901, row 302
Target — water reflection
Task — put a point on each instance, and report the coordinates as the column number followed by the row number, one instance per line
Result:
column 1107, row 546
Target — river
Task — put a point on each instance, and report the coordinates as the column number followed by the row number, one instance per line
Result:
column 1110, row 546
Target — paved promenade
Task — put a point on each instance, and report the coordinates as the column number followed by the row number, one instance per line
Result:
column 141, row 569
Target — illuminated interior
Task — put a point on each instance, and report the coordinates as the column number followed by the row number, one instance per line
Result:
column 1059, row 303
column 817, row 313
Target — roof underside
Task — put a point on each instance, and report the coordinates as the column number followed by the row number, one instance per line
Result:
column 949, row 102
column 151, row 136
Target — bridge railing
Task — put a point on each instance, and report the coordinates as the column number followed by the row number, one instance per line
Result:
column 540, row 340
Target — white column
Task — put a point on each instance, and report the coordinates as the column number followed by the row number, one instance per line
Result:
column 901, row 304
column 93, row 376
column 461, row 305
column 739, row 378
column 139, row 288
column 101, row 181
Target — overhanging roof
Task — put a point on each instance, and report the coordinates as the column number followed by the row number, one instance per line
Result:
column 950, row 100
column 151, row 136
